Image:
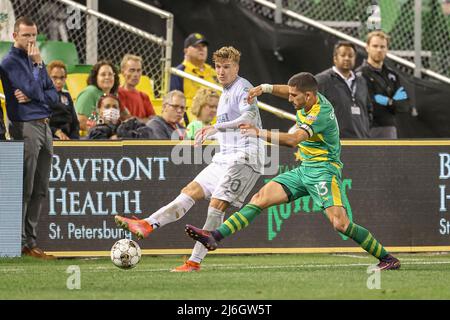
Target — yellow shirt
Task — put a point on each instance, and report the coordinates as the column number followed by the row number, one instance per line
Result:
column 190, row 87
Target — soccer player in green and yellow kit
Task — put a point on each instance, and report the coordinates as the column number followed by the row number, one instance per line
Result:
column 319, row 174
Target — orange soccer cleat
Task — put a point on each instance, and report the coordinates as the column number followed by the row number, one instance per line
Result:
column 140, row 228
column 187, row 266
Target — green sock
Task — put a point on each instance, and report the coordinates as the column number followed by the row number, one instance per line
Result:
column 239, row 220
column 365, row 239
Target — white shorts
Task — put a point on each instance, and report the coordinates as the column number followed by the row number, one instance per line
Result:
column 231, row 183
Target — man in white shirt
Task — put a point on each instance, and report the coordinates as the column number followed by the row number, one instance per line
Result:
column 234, row 169
column 347, row 92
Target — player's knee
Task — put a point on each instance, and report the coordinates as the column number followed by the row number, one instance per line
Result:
column 194, row 191
column 258, row 200
column 340, row 224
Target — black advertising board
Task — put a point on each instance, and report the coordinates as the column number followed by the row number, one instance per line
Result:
column 399, row 190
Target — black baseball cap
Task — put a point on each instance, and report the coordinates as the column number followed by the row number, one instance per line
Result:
column 194, row 39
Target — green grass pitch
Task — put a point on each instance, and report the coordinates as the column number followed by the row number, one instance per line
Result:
column 230, row 277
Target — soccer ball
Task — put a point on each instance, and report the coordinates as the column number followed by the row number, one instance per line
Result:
column 125, row 254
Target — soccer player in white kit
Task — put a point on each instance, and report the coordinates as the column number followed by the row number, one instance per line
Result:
column 234, row 169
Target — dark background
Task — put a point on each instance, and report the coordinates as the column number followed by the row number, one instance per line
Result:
column 227, row 23
column 393, row 191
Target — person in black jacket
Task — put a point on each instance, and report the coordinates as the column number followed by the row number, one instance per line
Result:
column 63, row 121
column 108, row 120
column 167, row 126
column 387, row 93
column 29, row 91
column 347, row 92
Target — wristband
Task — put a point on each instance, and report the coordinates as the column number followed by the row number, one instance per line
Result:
column 266, row 88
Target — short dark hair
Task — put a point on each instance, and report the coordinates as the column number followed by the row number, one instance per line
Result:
column 23, row 20
column 92, row 79
column 303, row 81
column 104, row 96
column 342, row 43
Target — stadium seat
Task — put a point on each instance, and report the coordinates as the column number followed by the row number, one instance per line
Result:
column 145, row 85
column 79, row 68
column 75, row 83
column 58, row 50
column 4, row 48
column 157, row 105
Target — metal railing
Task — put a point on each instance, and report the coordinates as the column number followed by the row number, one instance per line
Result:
column 263, row 106
column 338, row 7
column 97, row 36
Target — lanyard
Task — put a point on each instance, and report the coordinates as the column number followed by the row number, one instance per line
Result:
column 353, row 89
column 181, row 134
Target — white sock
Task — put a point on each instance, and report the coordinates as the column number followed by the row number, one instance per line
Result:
column 213, row 221
column 171, row 212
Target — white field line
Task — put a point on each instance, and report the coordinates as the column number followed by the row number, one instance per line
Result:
column 350, row 255
column 241, row 266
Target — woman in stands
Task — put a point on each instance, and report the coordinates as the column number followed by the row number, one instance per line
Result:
column 204, row 107
column 103, row 79
column 107, row 119
column 63, row 121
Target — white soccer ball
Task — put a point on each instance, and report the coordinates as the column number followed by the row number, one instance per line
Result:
column 125, row 254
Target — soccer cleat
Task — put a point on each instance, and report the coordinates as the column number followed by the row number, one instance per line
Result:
column 202, row 236
column 140, row 228
column 389, row 263
column 187, row 266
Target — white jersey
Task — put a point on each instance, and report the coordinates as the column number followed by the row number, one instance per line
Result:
column 235, row 147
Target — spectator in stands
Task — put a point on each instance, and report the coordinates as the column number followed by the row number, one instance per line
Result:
column 136, row 102
column 195, row 55
column 167, row 126
column 2, row 126
column 103, row 79
column 108, row 120
column 386, row 92
column 29, row 91
column 63, row 121
column 204, row 108
column 347, row 92
column 132, row 128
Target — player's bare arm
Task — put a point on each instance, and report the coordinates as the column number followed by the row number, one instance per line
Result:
column 279, row 90
column 281, row 138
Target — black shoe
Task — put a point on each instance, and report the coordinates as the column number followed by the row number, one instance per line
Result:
column 202, row 236
column 389, row 263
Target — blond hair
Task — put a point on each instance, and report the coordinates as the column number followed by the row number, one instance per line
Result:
column 127, row 58
column 379, row 34
column 226, row 53
column 201, row 99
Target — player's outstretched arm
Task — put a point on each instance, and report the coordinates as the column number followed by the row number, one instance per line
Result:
column 279, row 90
column 281, row 138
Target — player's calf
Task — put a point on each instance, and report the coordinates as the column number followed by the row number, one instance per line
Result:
column 140, row 228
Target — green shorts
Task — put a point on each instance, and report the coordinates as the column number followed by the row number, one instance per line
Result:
column 321, row 181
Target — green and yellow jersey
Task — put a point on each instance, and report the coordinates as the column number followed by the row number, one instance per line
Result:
column 323, row 144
